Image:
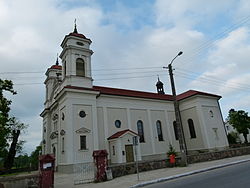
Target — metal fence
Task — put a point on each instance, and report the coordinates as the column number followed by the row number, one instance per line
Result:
column 84, row 173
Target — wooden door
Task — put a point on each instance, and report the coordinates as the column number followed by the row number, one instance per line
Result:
column 129, row 153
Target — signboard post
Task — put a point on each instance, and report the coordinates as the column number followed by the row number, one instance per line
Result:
column 135, row 144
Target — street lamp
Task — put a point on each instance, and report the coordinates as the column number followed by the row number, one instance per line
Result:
column 182, row 143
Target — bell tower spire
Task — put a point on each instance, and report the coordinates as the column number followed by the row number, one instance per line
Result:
column 75, row 29
column 57, row 63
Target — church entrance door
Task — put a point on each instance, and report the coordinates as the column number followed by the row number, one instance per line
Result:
column 129, row 153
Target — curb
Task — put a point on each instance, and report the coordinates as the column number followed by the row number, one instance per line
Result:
column 188, row 173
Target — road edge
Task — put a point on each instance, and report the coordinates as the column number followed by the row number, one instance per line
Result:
column 188, row 173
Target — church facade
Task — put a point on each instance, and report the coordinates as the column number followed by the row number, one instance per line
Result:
column 79, row 117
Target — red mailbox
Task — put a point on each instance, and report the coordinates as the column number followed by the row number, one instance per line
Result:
column 101, row 162
column 46, row 170
column 172, row 159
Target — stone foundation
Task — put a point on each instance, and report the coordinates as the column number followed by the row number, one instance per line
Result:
column 218, row 155
column 130, row 168
column 28, row 181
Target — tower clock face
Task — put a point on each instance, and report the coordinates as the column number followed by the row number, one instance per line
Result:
column 118, row 123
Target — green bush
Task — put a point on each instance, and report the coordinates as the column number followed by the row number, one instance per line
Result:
column 232, row 138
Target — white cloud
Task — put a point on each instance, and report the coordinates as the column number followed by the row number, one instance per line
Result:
column 227, row 66
column 31, row 32
column 188, row 13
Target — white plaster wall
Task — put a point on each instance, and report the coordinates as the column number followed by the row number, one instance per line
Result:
column 146, row 147
column 131, row 110
column 116, row 114
column 87, row 122
column 203, row 105
column 217, row 139
column 114, row 158
column 160, row 146
column 100, row 125
column 192, row 143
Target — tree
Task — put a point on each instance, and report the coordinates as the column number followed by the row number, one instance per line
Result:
column 233, row 137
column 10, row 127
column 34, row 157
column 5, row 86
column 240, row 121
column 22, row 161
column 15, row 128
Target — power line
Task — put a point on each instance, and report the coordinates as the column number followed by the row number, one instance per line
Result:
column 209, row 78
column 213, row 82
column 210, row 42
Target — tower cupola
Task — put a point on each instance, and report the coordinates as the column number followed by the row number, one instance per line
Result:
column 76, row 60
column 159, row 86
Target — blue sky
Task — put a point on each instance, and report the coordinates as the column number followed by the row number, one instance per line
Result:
column 132, row 41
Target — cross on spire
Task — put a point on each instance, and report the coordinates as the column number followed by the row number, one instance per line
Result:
column 75, row 29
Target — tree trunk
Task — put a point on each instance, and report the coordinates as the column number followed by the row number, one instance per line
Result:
column 245, row 137
column 8, row 163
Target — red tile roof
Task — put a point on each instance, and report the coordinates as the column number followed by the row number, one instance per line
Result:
column 191, row 93
column 120, row 133
column 132, row 93
column 141, row 94
column 56, row 67
column 77, row 35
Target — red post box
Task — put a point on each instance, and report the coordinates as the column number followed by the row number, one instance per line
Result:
column 172, row 159
column 46, row 170
column 101, row 162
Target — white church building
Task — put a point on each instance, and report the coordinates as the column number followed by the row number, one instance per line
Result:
column 79, row 117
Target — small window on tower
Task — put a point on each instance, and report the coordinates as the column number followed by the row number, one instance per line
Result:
column 83, row 144
column 80, row 69
column 64, row 68
column 113, row 148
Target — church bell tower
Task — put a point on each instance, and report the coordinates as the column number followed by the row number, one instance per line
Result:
column 76, row 60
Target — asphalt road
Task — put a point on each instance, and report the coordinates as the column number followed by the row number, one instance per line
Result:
column 235, row 176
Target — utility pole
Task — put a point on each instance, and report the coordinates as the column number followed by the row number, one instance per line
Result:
column 181, row 138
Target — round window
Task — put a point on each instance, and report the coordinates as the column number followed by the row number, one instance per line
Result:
column 118, row 123
column 82, row 114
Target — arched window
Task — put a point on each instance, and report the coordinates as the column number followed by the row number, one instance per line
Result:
column 191, row 128
column 62, row 144
column 140, row 130
column 80, row 69
column 54, row 151
column 159, row 130
column 175, row 130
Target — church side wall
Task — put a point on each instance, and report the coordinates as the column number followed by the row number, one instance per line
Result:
column 214, row 124
column 129, row 111
column 116, row 114
column 192, row 143
column 211, row 129
column 100, row 125
column 160, row 146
